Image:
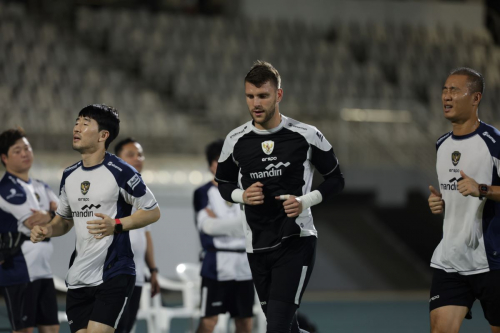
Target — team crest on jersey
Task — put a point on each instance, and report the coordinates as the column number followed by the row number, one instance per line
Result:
column 37, row 196
column 229, row 204
column 455, row 157
column 268, row 147
column 85, row 187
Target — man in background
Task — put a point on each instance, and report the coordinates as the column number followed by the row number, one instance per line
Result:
column 25, row 275
column 131, row 152
column 227, row 284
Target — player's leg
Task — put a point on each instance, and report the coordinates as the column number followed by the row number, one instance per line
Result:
column 79, row 306
column 111, row 297
column 241, row 300
column 20, row 307
column 292, row 269
column 489, row 296
column 451, row 299
column 129, row 315
column 212, row 303
column 46, row 313
column 261, row 275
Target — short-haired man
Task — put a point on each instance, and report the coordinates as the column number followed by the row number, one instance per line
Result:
column 268, row 159
column 25, row 275
column 96, row 196
column 131, row 152
column 467, row 260
column 226, row 277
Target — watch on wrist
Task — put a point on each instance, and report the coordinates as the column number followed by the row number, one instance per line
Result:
column 118, row 226
column 483, row 190
column 154, row 269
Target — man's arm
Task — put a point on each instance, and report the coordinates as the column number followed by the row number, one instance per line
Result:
column 150, row 261
column 468, row 186
column 106, row 225
column 57, row 227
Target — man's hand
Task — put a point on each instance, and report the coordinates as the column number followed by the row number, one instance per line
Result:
column 39, row 217
column 292, row 204
column 468, row 186
column 436, row 202
column 39, row 233
column 254, row 195
column 101, row 228
column 155, row 285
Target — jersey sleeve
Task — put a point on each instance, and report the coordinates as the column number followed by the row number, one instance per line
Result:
column 16, row 203
column 51, row 195
column 63, row 208
column 227, row 171
column 136, row 193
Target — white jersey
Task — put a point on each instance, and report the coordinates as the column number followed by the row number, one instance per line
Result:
column 17, row 198
column 471, row 229
column 225, row 257
column 111, row 188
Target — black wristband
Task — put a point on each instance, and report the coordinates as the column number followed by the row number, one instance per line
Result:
column 52, row 214
column 154, row 269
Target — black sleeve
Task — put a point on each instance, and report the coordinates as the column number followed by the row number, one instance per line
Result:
column 328, row 166
column 227, row 177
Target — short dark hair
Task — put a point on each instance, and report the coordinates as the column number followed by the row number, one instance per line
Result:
column 120, row 144
column 262, row 72
column 475, row 79
column 8, row 139
column 106, row 117
column 213, row 150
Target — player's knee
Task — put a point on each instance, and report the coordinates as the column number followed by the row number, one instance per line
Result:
column 243, row 325
column 25, row 330
column 439, row 326
column 207, row 324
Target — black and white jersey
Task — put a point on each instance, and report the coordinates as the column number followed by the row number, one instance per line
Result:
column 471, row 228
column 17, row 199
column 283, row 159
column 111, row 188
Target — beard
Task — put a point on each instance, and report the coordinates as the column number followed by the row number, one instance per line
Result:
column 269, row 114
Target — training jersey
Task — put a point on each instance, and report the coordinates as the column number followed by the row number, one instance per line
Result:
column 283, row 159
column 471, row 229
column 17, row 198
column 111, row 188
column 224, row 256
column 139, row 245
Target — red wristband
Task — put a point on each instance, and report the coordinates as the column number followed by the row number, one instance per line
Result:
column 117, row 221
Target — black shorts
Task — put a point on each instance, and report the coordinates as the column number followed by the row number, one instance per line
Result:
column 283, row 274
column 104, row 303
column 463, row 290
column 129, row 315
column 31, row 304
column 235, row 297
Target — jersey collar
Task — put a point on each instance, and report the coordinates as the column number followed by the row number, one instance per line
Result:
column 463, row 137
column 8, row 174
column 106, row 157
column 272, row 130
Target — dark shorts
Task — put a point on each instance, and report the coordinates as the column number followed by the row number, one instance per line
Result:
column 104, row 303
column 463, row 290
column 31, row 304
column 129, row 315
column 283, row 274
column 235, row 297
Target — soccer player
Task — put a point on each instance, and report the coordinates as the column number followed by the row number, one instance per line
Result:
column 226, row 278
column 131, row 152
column 96, row 196
column 467, row 260
column 267, row 165
column 25, row 274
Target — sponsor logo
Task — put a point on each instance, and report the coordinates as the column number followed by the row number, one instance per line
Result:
column 134, row 181
column 320, row 136
column 83, row 199
column 271, row 171
column 111, row 164
column 13, row 193
column 217, row 304
column 91, row 206
column 263, row 303
column 85, row 186
column 268, row 159
column 486, row 134
column 70, row 322
column 455, row 170
column 444, row 137
column 452, row 186
column 292, row 125
column 268, row 147
column 12, row 179
column 72, row 167
column 434, row 298
column 455, row 157
column 243, row 130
